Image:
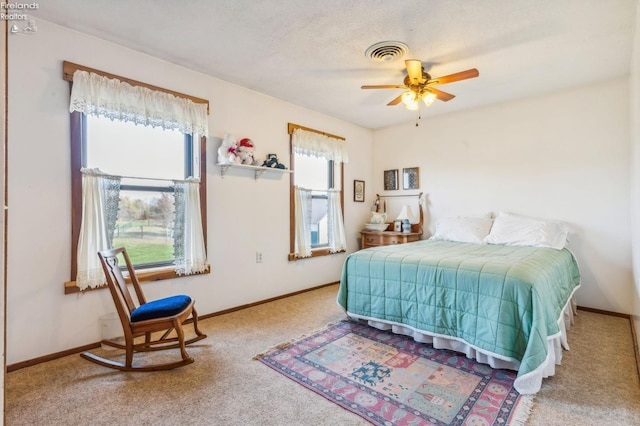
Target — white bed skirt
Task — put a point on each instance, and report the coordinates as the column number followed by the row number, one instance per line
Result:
column 527, row 384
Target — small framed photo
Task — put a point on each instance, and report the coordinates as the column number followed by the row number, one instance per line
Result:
column 397, row 226
column 411, row 178
column 390, row 180
column 358, row 191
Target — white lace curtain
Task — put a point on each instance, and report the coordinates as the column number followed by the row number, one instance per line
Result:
column 315, row 144
column 100, row 203
column 302, row 218
column 104, row 97
column 189, row 251
column 100, row 200
column 337, row 238
column 303, row 213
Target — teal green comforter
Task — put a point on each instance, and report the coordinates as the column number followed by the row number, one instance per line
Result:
column 505, row 300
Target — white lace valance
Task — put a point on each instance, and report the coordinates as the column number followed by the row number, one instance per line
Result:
column 104, row 97
column 318, row 145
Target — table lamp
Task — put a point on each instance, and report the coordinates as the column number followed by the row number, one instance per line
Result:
column 406, row 216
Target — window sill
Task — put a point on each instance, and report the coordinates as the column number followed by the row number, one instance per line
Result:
column 314, row 253
column 147, row 276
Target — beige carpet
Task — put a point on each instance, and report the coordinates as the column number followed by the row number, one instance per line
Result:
column 597, row 383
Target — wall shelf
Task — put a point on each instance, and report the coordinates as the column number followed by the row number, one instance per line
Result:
column 258, row 170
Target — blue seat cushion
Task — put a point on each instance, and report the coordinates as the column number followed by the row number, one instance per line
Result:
column 166, row 307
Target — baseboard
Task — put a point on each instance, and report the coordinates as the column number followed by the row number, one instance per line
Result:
column 77, row 350
column 262, row 302
column 603, row 312
column 51, row 357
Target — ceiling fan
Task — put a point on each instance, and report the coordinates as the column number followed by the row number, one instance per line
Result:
column 419, row 85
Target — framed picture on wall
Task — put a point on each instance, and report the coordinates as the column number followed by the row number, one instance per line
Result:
column 390, row 180
column 358, row 191
column 411, row 178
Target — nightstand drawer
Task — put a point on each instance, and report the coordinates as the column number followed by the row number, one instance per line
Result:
column 372, row 240
column 384, row 238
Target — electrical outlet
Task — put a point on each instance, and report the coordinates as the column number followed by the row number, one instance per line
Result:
column 258, row 257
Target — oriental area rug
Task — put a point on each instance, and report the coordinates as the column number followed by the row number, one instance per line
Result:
column 390, row 379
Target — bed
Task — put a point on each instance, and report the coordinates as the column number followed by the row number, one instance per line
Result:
column 505, row 305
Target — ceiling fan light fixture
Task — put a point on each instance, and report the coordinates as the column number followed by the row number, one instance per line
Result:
column 409, row 97
column 428, row 98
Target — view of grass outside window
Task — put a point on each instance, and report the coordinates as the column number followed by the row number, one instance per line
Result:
column 144, row 226
column 147, row 159
column 316, row 174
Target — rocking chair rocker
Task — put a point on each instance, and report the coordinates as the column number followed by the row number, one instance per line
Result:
column 162, row 315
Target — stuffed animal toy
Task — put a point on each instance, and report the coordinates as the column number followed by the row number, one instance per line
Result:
column 272, row 162
column 227, row 152
column 245, row 152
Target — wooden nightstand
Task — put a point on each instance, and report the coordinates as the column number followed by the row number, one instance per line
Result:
column 384, row 238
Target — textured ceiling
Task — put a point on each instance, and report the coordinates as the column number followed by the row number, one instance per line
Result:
column 311, row 53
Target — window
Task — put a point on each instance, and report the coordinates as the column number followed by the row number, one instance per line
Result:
column 136, row 169
column 316, row 174
column 317, row 193
column 146, row 210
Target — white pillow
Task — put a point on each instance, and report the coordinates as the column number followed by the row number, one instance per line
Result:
column 463, row 229
column 517, row 230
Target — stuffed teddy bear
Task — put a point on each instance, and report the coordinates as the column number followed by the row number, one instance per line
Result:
column 245, row 152
column 227, row 153
column 272, row 162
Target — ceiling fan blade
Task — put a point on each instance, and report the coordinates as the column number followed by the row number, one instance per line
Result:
column 395, row 101
column 462, row 75
column 414, row 70
column 443, row 96
column 386, row 86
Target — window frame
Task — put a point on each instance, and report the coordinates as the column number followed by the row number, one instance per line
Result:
column 322, row 250
column 78, row 133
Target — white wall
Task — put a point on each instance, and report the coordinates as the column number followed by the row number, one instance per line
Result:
column 244, row 215
column 634, row 101
column 564, row 156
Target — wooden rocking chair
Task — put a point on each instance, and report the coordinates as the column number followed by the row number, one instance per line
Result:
column 163, row 315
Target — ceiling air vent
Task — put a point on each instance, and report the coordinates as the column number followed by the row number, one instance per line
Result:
column 387, row 51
